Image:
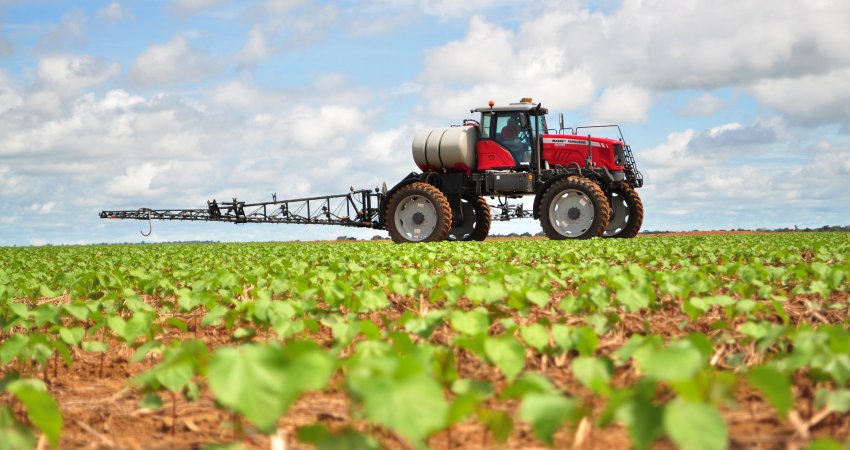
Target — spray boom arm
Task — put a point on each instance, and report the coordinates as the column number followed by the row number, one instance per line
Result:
column 354, row 209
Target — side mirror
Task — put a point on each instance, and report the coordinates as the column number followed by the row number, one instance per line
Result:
column 523, row 121
column 561, row 121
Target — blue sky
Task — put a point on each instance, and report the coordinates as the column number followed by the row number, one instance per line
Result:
column 739, row 115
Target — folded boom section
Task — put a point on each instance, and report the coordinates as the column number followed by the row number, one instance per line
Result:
column 355, row 209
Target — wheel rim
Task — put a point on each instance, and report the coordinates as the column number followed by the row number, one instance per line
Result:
column 571, row 213
column 463, row 230
column 619, row 215
column 416, row 218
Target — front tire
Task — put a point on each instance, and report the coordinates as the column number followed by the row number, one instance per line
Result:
column 626, row 212
column 573, row 208
column 418, row 212
column 476, row 220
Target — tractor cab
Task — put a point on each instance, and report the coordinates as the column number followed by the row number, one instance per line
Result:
column 508, row 133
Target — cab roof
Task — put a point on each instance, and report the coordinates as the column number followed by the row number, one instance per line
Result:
column 520, row 106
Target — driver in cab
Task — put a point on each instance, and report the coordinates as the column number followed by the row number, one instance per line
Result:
column 510, row 139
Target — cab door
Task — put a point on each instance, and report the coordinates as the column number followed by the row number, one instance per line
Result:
column 504, row 143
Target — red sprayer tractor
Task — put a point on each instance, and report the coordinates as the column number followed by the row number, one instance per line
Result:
column 583, row 185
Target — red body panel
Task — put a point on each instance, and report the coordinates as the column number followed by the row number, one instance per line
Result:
column 564, row 149
column 491, row 155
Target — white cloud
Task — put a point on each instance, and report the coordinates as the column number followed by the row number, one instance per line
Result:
column 114, row 12
column 43, row 208
column 255, row 49
column 136, row 181
column 174, row 62
column 704, row 106
column 622, row 104
column 455, row 9
column 796, row 49
column 386, row 149
column 70, row 75
column 281, row 26
column 11, row 184
column 70, row 30
column 47, row 103
column 10, row 96
column 281, row 6
column 324, row 89
column 689, row 188
column 193, row 6
column 241, row 95
column 376, row 17
column 480, row 57
column 119, row 125
column 737, row 138
column 487, row 64
column 810, row 99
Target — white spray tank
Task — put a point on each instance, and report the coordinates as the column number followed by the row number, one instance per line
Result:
column 450, row 148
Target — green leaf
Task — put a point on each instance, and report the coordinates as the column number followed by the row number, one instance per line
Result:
column 151, row 401
column 826, row 444
column 838, row 400
column 372, row 300
column 213, row 317
column 247, row 379
column 642, row 419
column 14, row 435
column 537, row 296
column 414, row 406
column 679, row 361
column 322, row 439
column 47, row 292
column 72, row 336
column 42, row 410
column 695, row 426
column 535, row 335
column 705, row 303
column 528, row 383
column 12, row 347
column 498, row 422
column 595, row 373
column 261, row 381
column 633, row 299
column 175, row 322
column 774, row 385
column 546, row 413
column 507, row 354
column 78, row 310
column 144, row 349
column 174, row 375
column 95, row 346
column 583, row 339
column 470, row 323
column 116, row 324
column 136, row 327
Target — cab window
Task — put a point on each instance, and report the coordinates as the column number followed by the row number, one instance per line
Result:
column 486, row 123
column 510, row 134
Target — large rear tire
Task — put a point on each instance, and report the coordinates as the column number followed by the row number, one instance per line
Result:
column 626, row 212
column 476, row 220
column 418, row 212
column 573, row 208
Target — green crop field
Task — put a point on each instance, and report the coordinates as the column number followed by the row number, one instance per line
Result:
column 697, row 342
